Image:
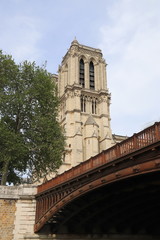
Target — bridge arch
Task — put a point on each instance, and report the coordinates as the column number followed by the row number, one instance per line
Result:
column 125, row 205
column 58, row 198
column 112, row 210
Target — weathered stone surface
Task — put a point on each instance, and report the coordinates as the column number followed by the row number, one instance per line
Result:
column 7, row 216
column 17, row 211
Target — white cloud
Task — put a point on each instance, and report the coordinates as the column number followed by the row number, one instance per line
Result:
column 20, row 34
column 130, row 43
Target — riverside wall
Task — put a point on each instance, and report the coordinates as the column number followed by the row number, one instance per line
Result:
column 17, row 211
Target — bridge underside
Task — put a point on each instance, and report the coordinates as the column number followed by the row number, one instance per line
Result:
column 129, row 206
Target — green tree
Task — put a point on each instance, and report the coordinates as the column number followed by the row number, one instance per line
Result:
column 30, row 136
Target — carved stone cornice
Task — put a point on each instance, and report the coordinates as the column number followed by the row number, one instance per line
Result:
column 73, row 111
column 89, row 92
column 89, row 52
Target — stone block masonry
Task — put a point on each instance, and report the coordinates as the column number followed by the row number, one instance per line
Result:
column 7, row 216
column 17, row 211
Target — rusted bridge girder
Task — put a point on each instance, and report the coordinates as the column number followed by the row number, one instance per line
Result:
column 136, row 155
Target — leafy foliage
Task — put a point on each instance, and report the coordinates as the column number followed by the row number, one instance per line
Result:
column 30, row 135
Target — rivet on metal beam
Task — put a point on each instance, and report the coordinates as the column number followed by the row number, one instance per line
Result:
column 136, row 170
column 103, row 180
column 117, row 174
column 81, row 190
column 157, row 164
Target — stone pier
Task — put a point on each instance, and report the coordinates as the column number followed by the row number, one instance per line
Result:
column 17, row 211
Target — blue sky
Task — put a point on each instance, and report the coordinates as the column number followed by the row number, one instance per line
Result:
column 127, row 31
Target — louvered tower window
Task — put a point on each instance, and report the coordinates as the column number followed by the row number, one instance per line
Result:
column 81, row 73
column 91, row 75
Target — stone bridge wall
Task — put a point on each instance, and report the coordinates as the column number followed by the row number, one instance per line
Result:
column 17, row 211
column 7, row 216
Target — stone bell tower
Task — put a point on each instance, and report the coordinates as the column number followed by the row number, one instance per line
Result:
column 85, row 102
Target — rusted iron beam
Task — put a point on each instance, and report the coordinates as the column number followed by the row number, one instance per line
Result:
column 137, row 169
column 137, row 141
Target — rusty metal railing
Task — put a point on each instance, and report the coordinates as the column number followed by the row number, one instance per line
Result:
column 137, row 141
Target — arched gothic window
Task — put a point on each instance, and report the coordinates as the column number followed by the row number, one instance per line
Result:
column 81, row 73
column 91, row 76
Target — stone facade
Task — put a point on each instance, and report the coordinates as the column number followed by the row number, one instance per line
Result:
column 85, row 104
column 84, row 111
column 7, row 216
column 17, row 211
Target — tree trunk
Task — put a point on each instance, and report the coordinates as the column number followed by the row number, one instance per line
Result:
column 5, row 171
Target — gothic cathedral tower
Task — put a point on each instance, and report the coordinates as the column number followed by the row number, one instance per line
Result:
column 85, row 103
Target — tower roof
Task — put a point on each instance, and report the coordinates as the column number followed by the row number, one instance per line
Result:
column 74, row 41
column 91, row 121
